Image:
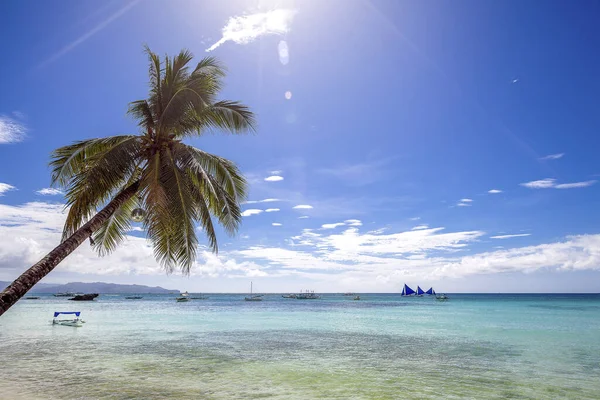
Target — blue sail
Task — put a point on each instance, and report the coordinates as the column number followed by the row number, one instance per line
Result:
column 403, row 293
column 430, row 291
column 419, row 291
column 407, row 291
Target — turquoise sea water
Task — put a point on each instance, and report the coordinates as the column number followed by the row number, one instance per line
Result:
column 382, row 347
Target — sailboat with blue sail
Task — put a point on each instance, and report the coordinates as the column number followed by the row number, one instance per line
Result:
column 420, row 291
column 430, row 291
column 407, row 291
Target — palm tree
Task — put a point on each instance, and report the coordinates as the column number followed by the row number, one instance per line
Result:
column 172, row 186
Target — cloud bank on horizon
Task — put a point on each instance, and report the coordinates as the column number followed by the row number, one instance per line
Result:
column 378, row 259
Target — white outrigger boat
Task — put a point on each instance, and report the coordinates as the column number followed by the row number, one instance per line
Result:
column 183, row 298
column 76, row 322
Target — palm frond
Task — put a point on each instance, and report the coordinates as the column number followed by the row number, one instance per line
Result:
column 104, row 174
column 218, row 181
column 140, row 110
column 67, row 161
column 225, row 172
column 155, row 72
column 209, row 66
column 111, row 234
column 204, row 215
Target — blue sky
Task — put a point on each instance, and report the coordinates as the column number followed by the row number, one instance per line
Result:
column 389, row 121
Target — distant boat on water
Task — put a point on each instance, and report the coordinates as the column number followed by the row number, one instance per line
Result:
column 76, row 321
column 32, row 298
column 85, row 297
column 133, row 297
column 183, row 298
column 256, row 297
column 289, row 296
column 407, row 291
column 308, row 295
column 66, row 294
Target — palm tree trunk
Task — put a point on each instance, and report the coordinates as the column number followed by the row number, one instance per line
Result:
column 33, row 275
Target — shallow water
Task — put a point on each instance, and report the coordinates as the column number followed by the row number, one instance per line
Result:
column 382, row 347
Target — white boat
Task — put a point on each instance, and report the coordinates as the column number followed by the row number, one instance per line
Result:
column 65, row 294
column 76, row 322
column 256, row 297
column 441, row 297
column 183, row 297
column 357, row 298
column 307, row 295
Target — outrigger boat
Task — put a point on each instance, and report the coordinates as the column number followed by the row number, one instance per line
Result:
column 133, row 297
column 407, row 291
column 308, row 295
column 441, row 297
column 85, row 297
column 76, row 322
column 183, row 298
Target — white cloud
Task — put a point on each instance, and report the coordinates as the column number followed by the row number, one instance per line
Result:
column 351, row 251
column 140, row 229
column 274, row 178
column 304, row 217
column 5, row 187
column 551, row 183
column 553, row 156
column 302, row 207
column 345, row 258
column 415, row 218
column 11, row 130
column 276, row 172
column 261, row 201
column 575, row 253
column 494, row 191
column 419, row 227
column 276, row 224
column 510, row 236
column 332, row 226
column 251, row 211
column 49, row 192
column 272, row 210
column 464, row 203
column 575, row 185
column 353, row 222
column 541, row 184
column 31, row 230
column 247, row 28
